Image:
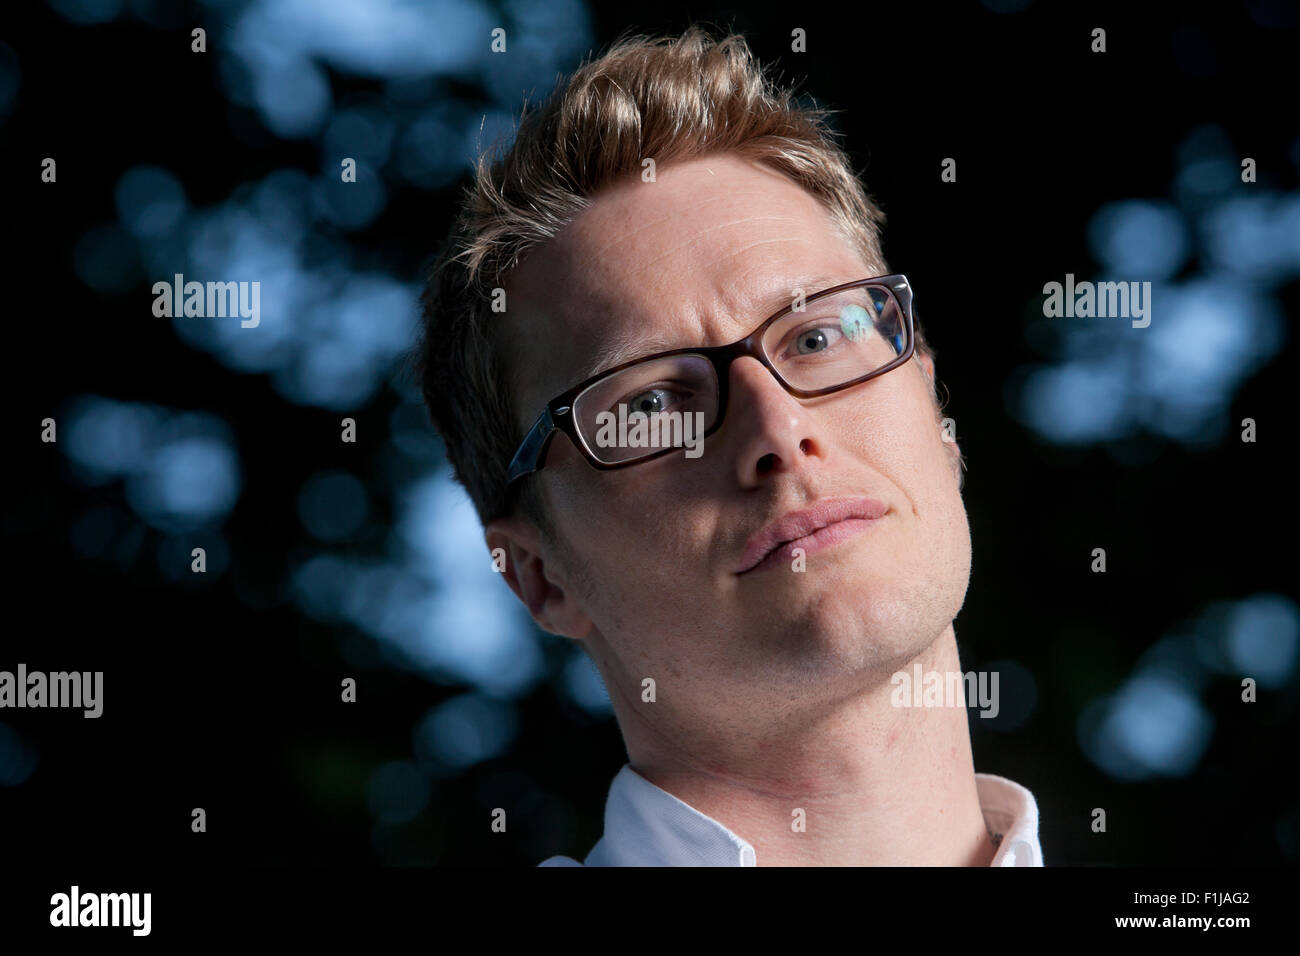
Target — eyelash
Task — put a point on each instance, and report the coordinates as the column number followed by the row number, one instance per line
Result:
column 658, row 386
column 818, row 324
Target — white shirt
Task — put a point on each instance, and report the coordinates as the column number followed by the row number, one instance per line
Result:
column 647, row 826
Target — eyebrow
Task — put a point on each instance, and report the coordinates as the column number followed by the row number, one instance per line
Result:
column 626, row 345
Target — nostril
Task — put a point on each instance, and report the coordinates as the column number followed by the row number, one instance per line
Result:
column 766, row 464
column 805, row 446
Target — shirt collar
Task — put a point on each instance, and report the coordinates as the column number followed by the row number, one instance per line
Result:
column 1011, row 814
column 647, row 826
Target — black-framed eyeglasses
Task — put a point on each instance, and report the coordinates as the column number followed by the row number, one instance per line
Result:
column 854, row 332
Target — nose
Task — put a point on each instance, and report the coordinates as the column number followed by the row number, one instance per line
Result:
column 775, row 432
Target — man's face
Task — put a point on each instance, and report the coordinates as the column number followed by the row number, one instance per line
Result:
column 699, row 258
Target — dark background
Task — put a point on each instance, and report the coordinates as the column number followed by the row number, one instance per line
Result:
column 223, row 692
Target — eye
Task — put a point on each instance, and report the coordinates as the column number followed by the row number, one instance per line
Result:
column 650, row 400
column 818, row 338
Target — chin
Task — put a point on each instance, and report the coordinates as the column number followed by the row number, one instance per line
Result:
column 876, row 626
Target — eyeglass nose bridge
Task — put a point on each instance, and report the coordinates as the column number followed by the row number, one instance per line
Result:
column 724, row 356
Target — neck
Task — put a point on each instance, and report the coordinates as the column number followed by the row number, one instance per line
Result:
column 877, row 784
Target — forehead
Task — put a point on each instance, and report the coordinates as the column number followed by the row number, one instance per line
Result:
column 698, row 257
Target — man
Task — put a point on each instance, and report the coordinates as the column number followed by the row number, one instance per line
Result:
column 751, row 597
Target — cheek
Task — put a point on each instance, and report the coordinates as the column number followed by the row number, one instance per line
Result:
column 899, row 434
column 923, row 425
column 934, row 488
column 638, row 533
column 579, row 495
column 894, row 424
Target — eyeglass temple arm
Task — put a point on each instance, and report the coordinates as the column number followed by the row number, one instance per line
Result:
column 530, row 451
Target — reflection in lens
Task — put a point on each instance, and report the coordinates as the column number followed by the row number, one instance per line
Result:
column 855, row 321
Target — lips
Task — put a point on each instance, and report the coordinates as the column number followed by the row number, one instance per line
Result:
column 801, row 524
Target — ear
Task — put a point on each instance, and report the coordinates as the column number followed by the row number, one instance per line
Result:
column 927, row 365
column 536, row 578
